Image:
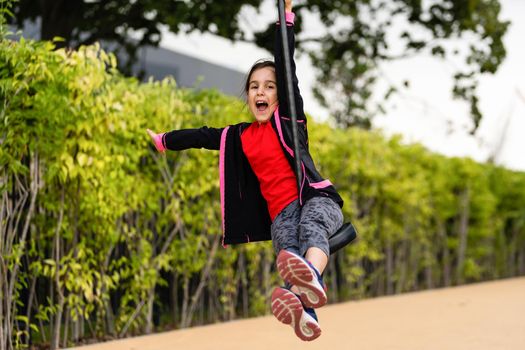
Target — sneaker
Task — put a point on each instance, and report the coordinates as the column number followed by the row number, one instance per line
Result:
column 297, row 271
column 287, row 308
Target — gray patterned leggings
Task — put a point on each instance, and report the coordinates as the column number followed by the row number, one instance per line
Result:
column 296, row 229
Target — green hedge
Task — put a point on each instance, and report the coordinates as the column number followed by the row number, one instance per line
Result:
column 102, row 237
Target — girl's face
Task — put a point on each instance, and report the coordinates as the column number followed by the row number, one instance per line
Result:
column 262, row 94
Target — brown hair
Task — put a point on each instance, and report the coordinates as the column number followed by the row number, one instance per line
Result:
column 262, row 63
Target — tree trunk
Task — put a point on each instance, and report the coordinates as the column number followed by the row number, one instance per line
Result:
column 30, row 307
column 512, row 261
column 360, row 283
column 463, row 232
column 175, row 297
column 110, row 317
column 202, row 283
column 415, row 258
column 242, row 270
column 521, row 262
column 81, row 327
column 12, row 212
column 55, row 339
column 266, row 268
column 4, row 217
column 211, row 307
column 66, row 328
column 201, row 309
column 76, row 329
column 3, row 340
column 185, row 300
column 401, row 261
column 333, row 280
column 389, row 267
column 149, row 314
column 442, row 233
column 429, row 282
column 58, row 19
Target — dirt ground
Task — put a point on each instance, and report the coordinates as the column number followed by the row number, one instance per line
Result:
column 481, row 316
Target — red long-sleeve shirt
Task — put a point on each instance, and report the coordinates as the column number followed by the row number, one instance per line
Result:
column 266, row 157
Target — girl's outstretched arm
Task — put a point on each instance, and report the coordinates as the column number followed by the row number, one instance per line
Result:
column 288, row 5
column 284, row 108
column 178, row 140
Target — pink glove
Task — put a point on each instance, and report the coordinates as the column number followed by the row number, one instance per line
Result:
column 157, row 140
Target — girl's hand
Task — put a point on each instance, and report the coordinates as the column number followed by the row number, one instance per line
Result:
column 288, row 5
column 157, row 140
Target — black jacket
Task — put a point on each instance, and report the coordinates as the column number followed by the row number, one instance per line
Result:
column 245, row 216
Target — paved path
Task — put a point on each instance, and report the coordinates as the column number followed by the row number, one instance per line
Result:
column 485, row 316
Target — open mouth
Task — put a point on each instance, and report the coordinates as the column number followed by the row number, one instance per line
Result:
column 261, row 106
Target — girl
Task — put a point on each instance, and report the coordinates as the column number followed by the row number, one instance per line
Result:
column 259, row 195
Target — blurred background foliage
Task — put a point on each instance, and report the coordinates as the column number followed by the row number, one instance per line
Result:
column 358, row 36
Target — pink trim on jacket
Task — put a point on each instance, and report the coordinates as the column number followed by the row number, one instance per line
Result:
column 286, row 118
column 322, row 184
column 222, row 179
column 280, row 131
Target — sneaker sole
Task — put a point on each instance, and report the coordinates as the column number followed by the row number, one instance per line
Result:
column 287, row 308
column 294, row 270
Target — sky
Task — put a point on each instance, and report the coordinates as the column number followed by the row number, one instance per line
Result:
column 425, row 112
